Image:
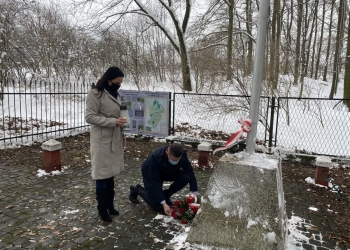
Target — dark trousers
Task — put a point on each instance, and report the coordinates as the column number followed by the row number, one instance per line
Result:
column 105, row 193
column 179, row 182
column 105, row 183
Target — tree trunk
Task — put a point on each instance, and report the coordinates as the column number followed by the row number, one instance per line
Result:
column 329, row 42
column 278, row 41
column 287, row 30
column 347, row 70
column 298, row 38
column 186, row 72
column 303, row 51
column 249, row 16
column 314, row 24
column 274, row 44
column 229, row 40
column 179, row 44
column 320, row 40
column 338, row 48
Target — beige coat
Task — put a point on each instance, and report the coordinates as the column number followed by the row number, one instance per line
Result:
column 106, row 143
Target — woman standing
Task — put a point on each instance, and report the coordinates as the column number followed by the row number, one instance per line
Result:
column 106, row 140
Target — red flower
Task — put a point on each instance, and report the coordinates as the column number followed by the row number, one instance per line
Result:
column 174, row 215
column 176, row 203
column 190, row 199
column 184, row 221
column 194, row 208
column 181, row 210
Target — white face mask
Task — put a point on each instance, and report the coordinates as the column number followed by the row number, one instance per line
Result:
column 173, row 162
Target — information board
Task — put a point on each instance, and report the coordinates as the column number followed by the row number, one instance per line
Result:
column 149, row 111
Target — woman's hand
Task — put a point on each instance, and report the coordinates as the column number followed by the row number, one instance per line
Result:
column 121, row 121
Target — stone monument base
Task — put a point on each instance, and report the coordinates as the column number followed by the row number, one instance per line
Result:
column 243, row 206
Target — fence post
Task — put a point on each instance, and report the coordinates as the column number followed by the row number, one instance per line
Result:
column 278, row 112
column 51, row 157
column 323, row 163
column 271, row 122
column 173, row 129
column 203, row 154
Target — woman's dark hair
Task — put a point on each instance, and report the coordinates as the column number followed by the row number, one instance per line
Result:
column 110, row 74
column 176, row 150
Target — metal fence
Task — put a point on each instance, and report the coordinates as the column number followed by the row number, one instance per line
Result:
column 313, row 126
column 216, row 114
column 37, row 111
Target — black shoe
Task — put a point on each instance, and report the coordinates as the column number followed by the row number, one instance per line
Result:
column 133, row 193
column 112, row 211
column 104, row 215
column 110, row 205
column 169, row 202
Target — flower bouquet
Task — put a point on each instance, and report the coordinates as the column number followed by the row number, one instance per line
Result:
column 186, row 209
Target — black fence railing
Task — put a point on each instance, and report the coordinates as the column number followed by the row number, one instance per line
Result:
column 37, row 111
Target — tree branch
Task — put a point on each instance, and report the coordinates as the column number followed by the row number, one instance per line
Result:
column 158, row 23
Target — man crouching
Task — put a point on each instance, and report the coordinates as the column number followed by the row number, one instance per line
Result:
column 166, row 163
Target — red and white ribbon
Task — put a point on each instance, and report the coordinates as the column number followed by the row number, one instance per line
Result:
column 245, row 128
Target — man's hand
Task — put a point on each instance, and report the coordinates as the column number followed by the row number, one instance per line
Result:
column 194, row 193
column 167, row 209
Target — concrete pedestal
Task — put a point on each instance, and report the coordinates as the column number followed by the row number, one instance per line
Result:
column 243, row 206
column 323, row 163
column 203, row 154
column 52, row 156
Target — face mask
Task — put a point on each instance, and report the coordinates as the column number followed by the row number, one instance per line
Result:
column 173, row 162
column 114, row 87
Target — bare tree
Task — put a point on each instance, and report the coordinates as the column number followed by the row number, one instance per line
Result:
column 275, row 44
column 338, row 48
column 312, row 34
column 230, row 6
column 305, row 47
column 179, row 44
column 10, row 12
column 320, row 43
column 347, row 69
column 314, row 25
column 330, row 31
column 161, row 42
column 229, row 30
column 38, row 41
column 298, row 39
column 288, row 15
column 249, row 27
column 175, row 31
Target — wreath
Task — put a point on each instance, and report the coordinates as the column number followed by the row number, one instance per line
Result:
column 186, row 209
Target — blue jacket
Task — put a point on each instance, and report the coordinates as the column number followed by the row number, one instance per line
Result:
column 156, row 169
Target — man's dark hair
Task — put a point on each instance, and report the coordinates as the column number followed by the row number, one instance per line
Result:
column 176, row 150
